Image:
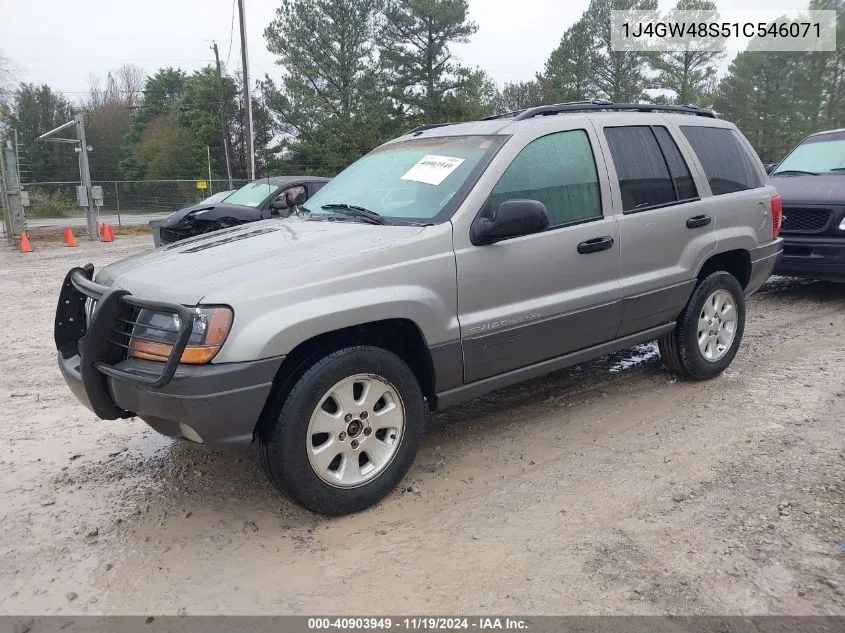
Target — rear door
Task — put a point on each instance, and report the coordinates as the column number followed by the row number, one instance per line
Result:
column 666, row 229
column 738, row 183
column 532, row 298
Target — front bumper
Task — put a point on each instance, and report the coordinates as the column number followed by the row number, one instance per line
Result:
column 213, row 404
column 763, row 261
column 813, row 257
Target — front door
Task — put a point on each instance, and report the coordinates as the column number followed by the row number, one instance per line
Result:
column 532, row 298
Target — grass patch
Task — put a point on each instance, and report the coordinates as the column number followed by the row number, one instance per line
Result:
column 56, row 234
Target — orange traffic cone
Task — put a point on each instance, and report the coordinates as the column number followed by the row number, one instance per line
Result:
column 68, row 240
column 108, row 233
column 25, row 247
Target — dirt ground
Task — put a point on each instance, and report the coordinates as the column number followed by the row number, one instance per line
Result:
column 611, row 488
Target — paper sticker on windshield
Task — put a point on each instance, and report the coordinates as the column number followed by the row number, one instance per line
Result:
column 433, row 169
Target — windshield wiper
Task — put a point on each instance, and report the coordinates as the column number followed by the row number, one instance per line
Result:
column 356, row 212
column 796, row 171
column 837, row 169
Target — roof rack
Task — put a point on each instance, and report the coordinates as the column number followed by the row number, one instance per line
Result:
column 598, row 106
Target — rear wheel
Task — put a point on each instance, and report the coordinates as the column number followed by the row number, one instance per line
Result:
column 347, row 432
column 709, row 330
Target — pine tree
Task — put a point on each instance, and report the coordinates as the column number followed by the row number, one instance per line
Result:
column 619, row 76
column 690, row 74
column 568, row 75
column 583, row 66
column 35, row 110
column 330, row 102
column 416, row 41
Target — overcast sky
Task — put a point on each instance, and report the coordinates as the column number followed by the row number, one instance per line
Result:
column 59, row 42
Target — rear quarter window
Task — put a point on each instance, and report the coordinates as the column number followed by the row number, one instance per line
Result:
column 726, row 161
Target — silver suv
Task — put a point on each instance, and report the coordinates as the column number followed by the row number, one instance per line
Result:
column 448, row 262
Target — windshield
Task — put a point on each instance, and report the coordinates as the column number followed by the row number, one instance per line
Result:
column 412, row 180
column 251, row 195
column 817, row 154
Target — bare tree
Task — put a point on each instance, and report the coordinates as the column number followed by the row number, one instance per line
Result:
column 7, row 78
column 130, row 79
column 109, row 105
column 123, row 87
column 95, row 96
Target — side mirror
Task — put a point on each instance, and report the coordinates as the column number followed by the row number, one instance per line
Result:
column 771, row 167
column 514, row 218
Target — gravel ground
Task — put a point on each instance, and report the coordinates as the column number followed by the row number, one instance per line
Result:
column 610, row 488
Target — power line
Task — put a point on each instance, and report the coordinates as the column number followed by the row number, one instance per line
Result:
column 109, row 59
column 144, row 39
column 231, row 32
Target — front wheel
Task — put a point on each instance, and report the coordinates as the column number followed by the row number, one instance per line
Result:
column 347, row 432
column 709, row 330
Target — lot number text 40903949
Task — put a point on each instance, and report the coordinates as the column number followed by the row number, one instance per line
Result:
column 421, row 623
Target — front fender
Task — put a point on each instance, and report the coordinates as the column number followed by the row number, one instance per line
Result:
column 277, row 332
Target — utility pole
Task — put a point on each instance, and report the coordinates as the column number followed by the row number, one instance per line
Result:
column 10, row 187
column 81, row 148
column 84, row 169
column 18, row 155
column 224, row 120
column 247, row 98
column 208, row 155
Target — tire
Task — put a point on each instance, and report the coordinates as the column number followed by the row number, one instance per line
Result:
column 680, row 349
column 295, row 451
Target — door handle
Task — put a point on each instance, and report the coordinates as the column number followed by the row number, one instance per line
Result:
column 595, row 245
column 699, row 221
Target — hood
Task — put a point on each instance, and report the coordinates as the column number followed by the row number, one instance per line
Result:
column 821, row 189
column 213, row 212
column 275, row 251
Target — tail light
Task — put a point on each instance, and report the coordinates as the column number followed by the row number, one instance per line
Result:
column 777, row 215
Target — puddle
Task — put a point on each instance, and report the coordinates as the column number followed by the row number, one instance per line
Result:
column 637, row 355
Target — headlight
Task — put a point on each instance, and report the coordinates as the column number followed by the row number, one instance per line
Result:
column 842, row 225
column 156, row 332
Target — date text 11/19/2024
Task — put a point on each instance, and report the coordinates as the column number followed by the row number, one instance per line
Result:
column 418, row 624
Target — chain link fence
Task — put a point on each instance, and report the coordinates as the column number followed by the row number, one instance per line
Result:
column 121, row 198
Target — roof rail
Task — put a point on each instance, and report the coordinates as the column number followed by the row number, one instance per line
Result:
column 502, row 115
column 515, row 113
column 427, row 126
column 598, row 106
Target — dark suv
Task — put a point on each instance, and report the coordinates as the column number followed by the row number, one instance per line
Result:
column 811, row 181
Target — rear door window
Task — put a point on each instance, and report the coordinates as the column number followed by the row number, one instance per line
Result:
column 684, row 185
column 644, row 178
column 726, row 162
